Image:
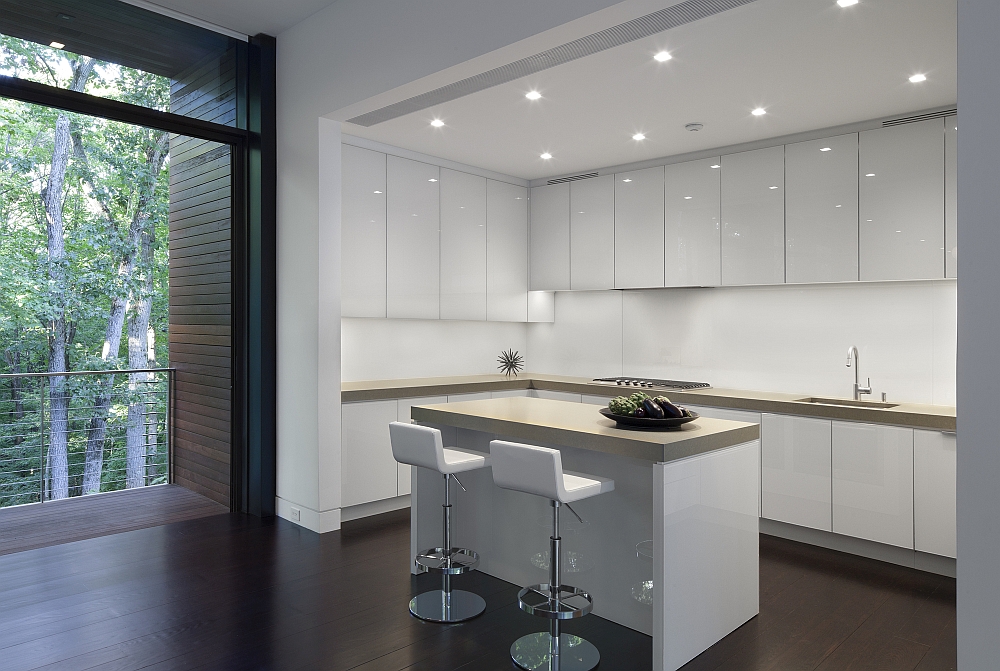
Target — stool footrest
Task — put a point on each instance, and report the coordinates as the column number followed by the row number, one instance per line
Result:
column 567, row 603
column 437, row 560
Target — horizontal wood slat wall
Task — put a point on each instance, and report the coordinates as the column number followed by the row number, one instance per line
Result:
column 200, row 290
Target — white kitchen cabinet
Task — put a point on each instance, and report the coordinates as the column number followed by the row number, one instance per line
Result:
column 368, row 469
column 734, row 416
column 950, row 196
column 753, row 217
column 934, row 492
column 362, row 271
column 403, row 406
column 795, row 471
column 873, row 482
column 821, row 210
column 413, row 240
column 463, row 245
column 638, row 239
column 475, row 396
column 590, row 399
column 692, row 239
column 901, row 201
column 506, row 252
column 510, row 393
column 592, row 233
column 556, row 395
column 549, row 238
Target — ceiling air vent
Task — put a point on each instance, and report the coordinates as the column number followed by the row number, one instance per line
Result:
column 563, row 180
column 682, row 13
column 919, row 117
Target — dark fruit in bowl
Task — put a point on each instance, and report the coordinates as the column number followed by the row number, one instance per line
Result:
column 639, row 412
column 669, row 409
column 653, row 409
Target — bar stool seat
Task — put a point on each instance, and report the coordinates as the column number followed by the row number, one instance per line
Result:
column 422, row 446
column 538, row 470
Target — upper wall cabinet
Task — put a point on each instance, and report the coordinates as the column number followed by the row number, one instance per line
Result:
column 821, row 210
column 902, row 202
column 638, row 239
column 753, row 217
column 691, row 230
column 362, row 271
column 463, row 245
column 549, row 238
column 506, row 252
column 950, row 196
column 412, row 249
column 592, row 233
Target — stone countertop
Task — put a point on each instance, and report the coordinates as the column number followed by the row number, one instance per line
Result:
column 912, row 415
column 546, row 421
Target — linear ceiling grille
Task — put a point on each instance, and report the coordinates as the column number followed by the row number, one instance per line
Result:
column 630, row 31
column 919, row 117
column 573, row 178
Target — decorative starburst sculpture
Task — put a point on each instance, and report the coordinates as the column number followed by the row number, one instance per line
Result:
column 510, row 362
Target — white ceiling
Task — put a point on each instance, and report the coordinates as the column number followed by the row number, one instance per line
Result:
column 247, row 16
column 809, row 63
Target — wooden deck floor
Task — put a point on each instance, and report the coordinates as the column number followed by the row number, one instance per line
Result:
column 231, row 592
column 40, row 525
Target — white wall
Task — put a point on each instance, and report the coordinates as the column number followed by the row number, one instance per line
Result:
column 386, row 349
column 978, row 326
column 780, row 338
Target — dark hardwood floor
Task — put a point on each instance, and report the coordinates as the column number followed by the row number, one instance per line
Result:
column 231, row 593
column 40, row 525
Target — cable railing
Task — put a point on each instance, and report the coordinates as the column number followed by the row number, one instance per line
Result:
column 83, row 432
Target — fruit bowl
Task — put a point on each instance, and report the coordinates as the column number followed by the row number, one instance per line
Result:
column 628, row 422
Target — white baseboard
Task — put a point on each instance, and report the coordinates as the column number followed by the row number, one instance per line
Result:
column 922, row 561
column 374, row 508
column 320, row 521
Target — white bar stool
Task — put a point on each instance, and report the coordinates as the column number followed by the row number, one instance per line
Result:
column 422, row 446
column 538, row 470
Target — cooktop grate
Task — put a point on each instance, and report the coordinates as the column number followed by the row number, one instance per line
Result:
column 653, row 382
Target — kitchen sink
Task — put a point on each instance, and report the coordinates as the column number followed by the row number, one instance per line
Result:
column 846, row 402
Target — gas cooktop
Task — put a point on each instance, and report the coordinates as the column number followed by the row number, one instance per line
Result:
column 652, row 383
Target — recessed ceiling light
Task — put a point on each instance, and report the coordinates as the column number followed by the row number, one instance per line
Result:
column 694, row 126
column 772, row 187
column 760, row 111
column 838, row 205
column 638, row 136
column 378, row 192
column 432, row 180
column 663, row 56
column 56, row 45
column 847, row 3
column 899, row 231
column 826, row 149
column 626, row 180
column 916, row 79
column 871, row 174
column 713, row 167
column 532, row 95
column 688, row 197
column 546, row 156
column 437, row 123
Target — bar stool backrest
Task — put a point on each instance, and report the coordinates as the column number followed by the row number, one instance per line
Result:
column 528, row 468
column 417, row 445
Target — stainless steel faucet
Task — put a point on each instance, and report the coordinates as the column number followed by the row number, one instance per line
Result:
column 858, row 389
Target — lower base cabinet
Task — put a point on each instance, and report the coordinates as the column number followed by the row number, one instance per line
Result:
column 873, row 482
column 733, row 416
column 795, row 470
column 934, row 491
column 368, row 470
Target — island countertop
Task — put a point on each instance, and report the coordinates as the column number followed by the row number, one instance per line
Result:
column 540, row 420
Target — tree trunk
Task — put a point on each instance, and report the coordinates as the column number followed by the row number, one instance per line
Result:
column 52, row 199
column 13, row 359
column 138, row 357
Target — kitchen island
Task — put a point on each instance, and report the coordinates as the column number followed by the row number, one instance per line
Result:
column 671, row 552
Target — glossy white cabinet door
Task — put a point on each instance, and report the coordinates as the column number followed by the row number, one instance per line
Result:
column 403, row 406
column 753, row 217
column 795, row 470
column 639, row 229
column 592, row 233
column 413, row 241
column 362, row 270
column 556, row 395
column 510, row 393
column 368, row 470
column 734, row 416
column 506, row 252
column 934, row 491
column 902, row 202
column 590, row 399
column 463, row 245
column 475, row 396
column 549, row 239
column 821, row 210
column 951, row 196
column 873, row 482
column 692, row 241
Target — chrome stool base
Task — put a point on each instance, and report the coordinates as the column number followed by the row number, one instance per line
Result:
column 458, row 560
column 533, row 653
column 569, row 604
column 440, row 606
